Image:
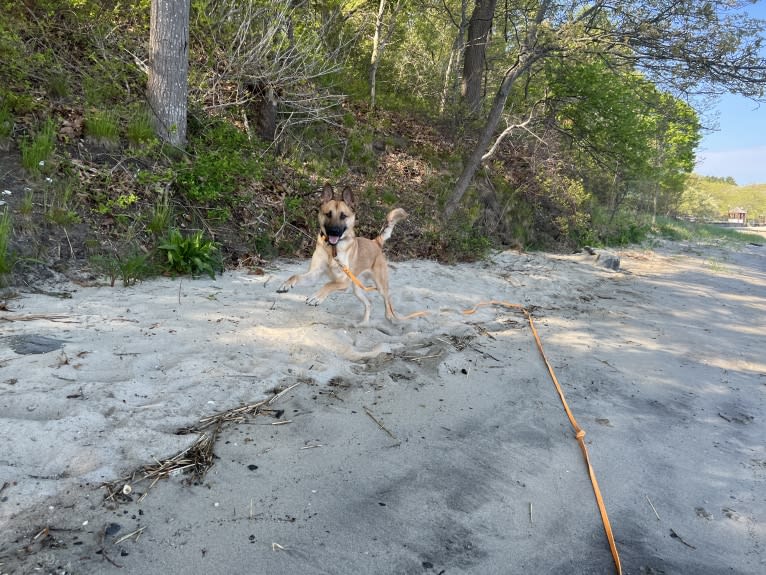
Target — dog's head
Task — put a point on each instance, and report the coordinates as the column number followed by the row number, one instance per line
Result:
column 336, row 217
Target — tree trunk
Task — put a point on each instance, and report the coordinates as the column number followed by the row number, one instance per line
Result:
column 376, row 49
column 452, row 75
column 529, row 53
column 379, row 42
column 168, row 68
column 475, row 159
column 475, row 57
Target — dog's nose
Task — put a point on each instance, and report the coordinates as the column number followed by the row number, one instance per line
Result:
column 334, row 231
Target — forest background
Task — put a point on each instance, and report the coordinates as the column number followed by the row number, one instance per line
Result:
column 531, row 124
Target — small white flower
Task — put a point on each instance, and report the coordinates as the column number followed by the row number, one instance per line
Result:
column 49, row 180
column 42, row 163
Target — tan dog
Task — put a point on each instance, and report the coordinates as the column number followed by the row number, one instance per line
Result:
column 338, row 247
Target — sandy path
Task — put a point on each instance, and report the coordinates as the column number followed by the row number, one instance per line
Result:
column 435, row 445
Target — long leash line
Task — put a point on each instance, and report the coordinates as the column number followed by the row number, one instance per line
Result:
column 579, row 431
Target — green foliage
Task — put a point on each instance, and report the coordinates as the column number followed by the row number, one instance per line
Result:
column 101, row 90
column 6, row 120
column 222, row 158
column 119, row 202
column 629, row 137
column 674, row 229
column 37, row 150
column 620, row 229
column 461, row 241
column 190, row 255
column 18, row 103
column 102, row 127
column 161, row 215
column 139, row 130
column 699, row 203
column 6, row 261
column 57, row 84
column 712, row 198
column 131, row 266
column 58, row 201
column 27, row 203
column 212, row 177
column 625, row 233
column 359, row 151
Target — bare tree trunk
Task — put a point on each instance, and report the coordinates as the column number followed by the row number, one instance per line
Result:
column 168, row 68
column 528, row 55
column 475, row 56
column 379, row 42
column 452, row 75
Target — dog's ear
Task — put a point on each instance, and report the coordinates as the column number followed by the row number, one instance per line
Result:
column 327, row 193
column 348, row 196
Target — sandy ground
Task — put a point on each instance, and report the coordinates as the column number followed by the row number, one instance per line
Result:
column 435, row 445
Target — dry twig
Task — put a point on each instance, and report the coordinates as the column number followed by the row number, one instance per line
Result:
column 196, row 459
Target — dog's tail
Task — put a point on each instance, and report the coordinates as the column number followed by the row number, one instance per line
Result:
column 392, row 218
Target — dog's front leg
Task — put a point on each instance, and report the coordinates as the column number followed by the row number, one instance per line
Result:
column 326, row 290
column 317, row 268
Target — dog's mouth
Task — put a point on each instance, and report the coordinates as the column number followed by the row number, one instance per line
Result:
column 334, row 234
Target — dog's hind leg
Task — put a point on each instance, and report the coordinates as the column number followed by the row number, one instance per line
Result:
column 380, row 277
column 390, row 314
column 359, row 293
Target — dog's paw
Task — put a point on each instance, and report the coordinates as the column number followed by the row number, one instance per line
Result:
column 314, row 300
column 283, row 288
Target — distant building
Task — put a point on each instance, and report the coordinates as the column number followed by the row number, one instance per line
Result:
column 737, row 216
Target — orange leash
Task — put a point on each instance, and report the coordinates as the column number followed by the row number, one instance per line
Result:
column 353, row 278
column 579, row 432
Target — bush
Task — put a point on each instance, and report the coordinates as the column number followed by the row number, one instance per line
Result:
column 222, row 158
column 132, row 266
column 190, row 255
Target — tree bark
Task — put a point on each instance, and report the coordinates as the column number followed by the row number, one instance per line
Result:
column 167, row 88
column 452, row 74
column 529, row 54
column 379, row 42
column 475, row 56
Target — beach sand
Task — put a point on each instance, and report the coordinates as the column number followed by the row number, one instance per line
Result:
column 432, row 445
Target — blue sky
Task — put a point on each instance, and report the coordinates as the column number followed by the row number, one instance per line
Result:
column 738, row 148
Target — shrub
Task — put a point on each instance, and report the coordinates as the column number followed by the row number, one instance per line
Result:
column 222, row 158
column 190, row 255
column 131, row 267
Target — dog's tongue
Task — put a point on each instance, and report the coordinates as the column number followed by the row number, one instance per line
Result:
column 333, row 239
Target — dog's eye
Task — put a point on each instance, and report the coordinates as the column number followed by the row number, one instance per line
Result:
column 329, row 214
column 343, row 216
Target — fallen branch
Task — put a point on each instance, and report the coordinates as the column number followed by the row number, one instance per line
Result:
column 196, row 459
